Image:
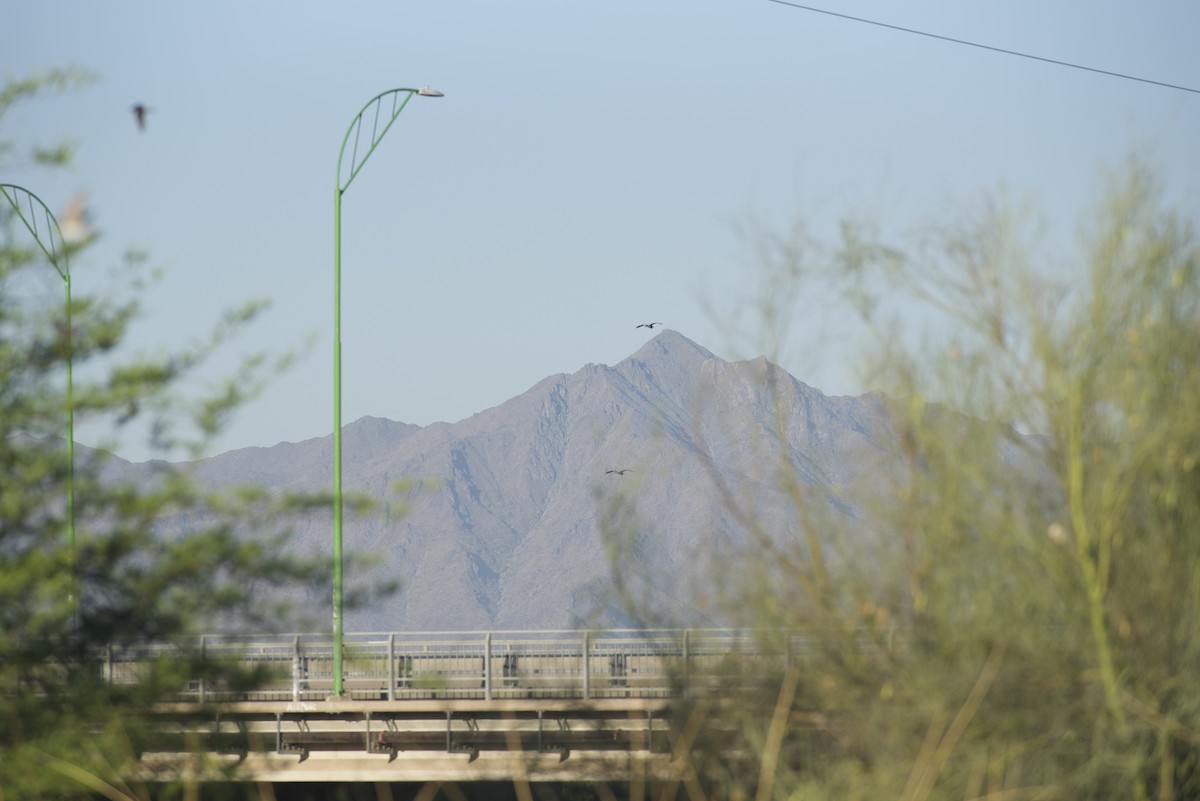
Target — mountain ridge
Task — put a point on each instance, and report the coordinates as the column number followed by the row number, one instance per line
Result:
column 504, row 511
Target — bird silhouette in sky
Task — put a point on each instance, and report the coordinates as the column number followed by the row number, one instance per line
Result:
column 140, row 110
column 619, row 472
column 647, row 325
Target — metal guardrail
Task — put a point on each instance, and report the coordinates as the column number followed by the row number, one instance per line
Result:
column 484, row 666
column 472, row 693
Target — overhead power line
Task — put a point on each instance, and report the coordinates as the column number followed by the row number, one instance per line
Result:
column 984, row 47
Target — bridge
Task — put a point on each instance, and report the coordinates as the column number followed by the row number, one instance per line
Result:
column 448, row 706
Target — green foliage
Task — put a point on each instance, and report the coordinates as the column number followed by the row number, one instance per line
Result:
column 1015, row 611
column 159, row 560
column 20, row 90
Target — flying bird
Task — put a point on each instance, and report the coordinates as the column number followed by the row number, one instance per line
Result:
column 75, row 222
column 619, row 472
column 647, row 325
column 140, row 110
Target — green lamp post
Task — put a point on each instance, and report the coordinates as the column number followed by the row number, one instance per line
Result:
column 381, row 111
column 44, row 227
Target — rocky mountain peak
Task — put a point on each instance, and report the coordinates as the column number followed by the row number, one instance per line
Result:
column 499, row 519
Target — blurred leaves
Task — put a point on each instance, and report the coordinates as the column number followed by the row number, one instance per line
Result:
column 1012, row 609
column 18, row 90
column 156, row 556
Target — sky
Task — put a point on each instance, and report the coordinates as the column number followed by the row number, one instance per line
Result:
column 590, row 167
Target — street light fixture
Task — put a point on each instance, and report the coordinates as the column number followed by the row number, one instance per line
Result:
column 42, row 224
column 381, row 110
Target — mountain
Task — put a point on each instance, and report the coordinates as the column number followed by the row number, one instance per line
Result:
column 497, row 521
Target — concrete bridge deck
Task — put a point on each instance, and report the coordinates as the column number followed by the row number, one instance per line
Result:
column 423, row 740
column 543, row 706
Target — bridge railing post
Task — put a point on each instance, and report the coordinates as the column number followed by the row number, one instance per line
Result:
column 391, row 667
column 587, row 669
column 686, row 667
column 202, row 687
column 297, row 668
column 487, row 666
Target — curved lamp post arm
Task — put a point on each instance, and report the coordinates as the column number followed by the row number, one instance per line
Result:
column 383, row 109
column 42, row 224
column 379, row 112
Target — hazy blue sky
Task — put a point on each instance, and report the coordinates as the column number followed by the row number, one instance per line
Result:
column 586, row 171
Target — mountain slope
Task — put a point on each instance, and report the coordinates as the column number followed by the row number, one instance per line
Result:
column 501, row 525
